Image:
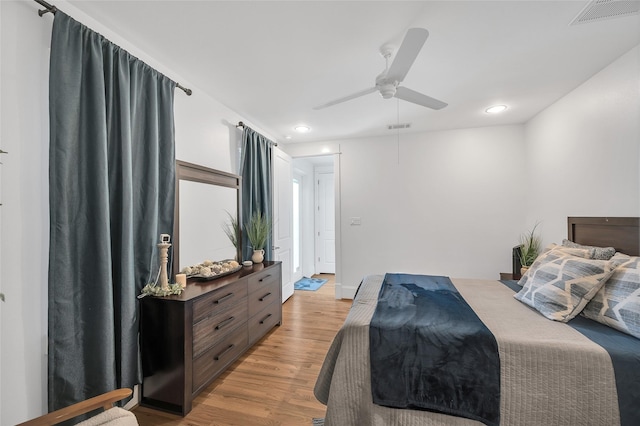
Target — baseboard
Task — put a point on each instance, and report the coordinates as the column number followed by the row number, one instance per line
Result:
column 345, row 292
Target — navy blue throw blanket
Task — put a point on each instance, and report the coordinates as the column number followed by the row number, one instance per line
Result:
column 430, row 351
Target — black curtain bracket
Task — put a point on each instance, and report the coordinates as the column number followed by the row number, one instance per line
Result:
column 47, row 7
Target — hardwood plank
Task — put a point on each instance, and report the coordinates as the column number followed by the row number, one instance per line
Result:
column 272, row 383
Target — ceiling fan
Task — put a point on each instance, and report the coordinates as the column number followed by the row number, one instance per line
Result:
column 387, row 83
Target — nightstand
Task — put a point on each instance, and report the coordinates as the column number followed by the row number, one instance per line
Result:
column 509, row 276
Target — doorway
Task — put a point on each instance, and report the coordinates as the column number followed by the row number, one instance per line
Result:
column 314, row 216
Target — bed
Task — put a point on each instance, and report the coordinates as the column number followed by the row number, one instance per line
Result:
column 578, row 372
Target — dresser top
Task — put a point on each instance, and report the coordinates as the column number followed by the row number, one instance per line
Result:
column 197, row 288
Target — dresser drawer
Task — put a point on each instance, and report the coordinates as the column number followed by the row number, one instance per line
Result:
column 207, row 332
column 219, row 300
column 213, row 361
column 263, row 294
column 264, row 278
column 262, row 322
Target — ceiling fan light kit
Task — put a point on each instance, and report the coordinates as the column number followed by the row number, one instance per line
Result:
column 388, row 82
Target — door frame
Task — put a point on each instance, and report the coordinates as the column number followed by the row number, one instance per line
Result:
column 278, row 250
column 338, row 221
column 301, row 177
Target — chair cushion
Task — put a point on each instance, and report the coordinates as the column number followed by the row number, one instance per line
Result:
column 115, row 416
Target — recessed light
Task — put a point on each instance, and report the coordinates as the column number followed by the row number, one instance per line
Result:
column 495, row 109
column 288, row 137
column 301, row 128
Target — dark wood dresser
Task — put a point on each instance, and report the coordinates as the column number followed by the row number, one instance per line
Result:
column 189, row 340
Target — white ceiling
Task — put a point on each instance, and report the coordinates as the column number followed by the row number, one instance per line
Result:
column 273, row 61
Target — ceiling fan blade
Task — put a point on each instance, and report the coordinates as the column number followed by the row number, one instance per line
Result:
column 418, row 98
column 407, row 53
column 348, row 98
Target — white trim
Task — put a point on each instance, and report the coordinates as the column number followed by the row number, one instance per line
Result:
column 336, row 179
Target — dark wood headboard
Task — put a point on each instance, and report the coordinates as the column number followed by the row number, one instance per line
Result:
column 623, row 233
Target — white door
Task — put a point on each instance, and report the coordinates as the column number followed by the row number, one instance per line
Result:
column 325, row 222
column 297, row 186
column 282, row 218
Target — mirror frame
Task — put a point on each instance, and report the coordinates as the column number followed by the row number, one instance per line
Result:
column 197, row 173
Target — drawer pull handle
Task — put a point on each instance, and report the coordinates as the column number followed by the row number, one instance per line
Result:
column 225, row 323
column 264, row 278
column 221, row 354
column 223, row 298
column 264, row 319
column 264, row 297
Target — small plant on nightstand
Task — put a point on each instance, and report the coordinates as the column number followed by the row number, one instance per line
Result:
column 530, row 244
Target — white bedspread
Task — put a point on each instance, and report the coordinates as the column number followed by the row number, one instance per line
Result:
column 550, row 373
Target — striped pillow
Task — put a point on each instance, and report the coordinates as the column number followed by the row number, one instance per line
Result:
column 617, row 303
column 559, row 284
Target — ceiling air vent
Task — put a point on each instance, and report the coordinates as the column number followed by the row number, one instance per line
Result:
column 599, row 10
column 398, row 126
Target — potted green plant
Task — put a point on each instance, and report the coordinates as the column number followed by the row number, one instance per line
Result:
column 232, row 230
column 530, row 244
column 258, row 230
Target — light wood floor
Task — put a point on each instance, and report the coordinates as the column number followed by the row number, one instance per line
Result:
column 271, row 384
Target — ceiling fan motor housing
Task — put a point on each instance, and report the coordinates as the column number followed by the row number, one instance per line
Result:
column 388, row 90
column 386, row 87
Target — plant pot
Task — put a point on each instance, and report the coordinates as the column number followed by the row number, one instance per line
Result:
column 524, row 270
column 258, row 256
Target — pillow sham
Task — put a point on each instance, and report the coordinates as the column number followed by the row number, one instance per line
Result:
column 568, row 250
column 602, row 253
column 559, row 284
column 617, row 303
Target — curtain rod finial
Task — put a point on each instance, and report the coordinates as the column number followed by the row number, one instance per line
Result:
column 240, row 124
column 184, row 89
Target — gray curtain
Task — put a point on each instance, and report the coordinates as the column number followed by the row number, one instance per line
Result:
column 111, row 194
column 255, row 169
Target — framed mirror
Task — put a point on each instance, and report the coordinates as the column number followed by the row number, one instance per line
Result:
column 204, row 200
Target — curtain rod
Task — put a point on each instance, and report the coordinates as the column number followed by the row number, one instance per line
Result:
column 51, row 8
column 241, row 124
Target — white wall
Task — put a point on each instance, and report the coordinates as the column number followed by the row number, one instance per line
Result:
column 25, row 230
column 205, row 134
column 583, row 152
column 445, row 203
